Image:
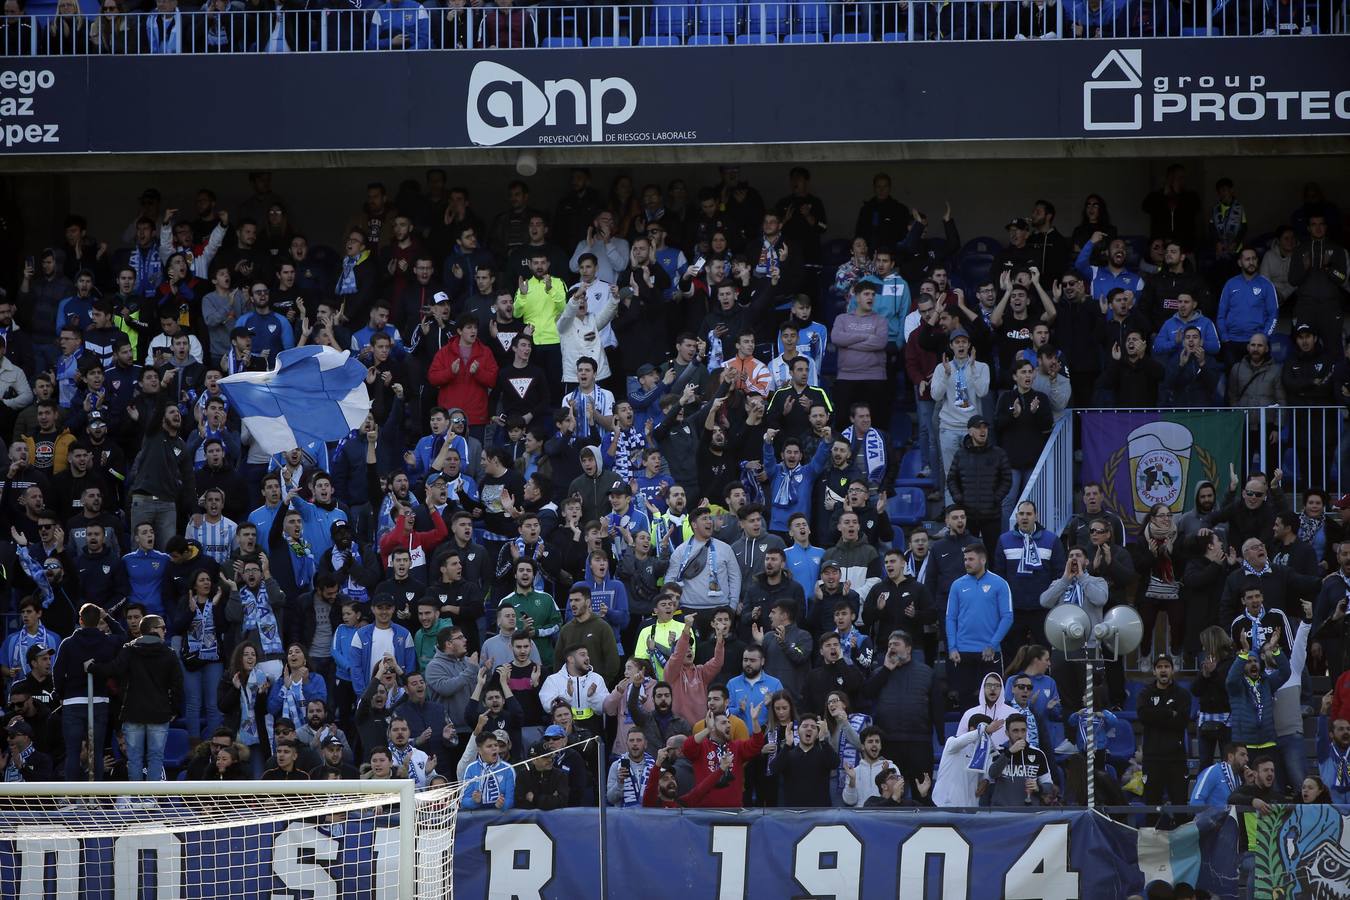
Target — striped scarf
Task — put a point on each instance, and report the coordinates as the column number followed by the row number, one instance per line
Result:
column 258, row 616
column 979, row 760
column 754, row 491
column 24, row 640
column 871, row 449
column 1341, row 770
column 248, row 717
column 293, row 701
column 340, row 558
column 1031, row 555
column 302, row 562
column 201, row 637
column 636, row 782
column 14, row 771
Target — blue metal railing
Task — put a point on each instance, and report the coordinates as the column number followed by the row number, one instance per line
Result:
column 225, row 27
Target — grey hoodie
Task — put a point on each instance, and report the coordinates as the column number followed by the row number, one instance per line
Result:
column 1189, row 523
column 594, row 490
column 451, row 681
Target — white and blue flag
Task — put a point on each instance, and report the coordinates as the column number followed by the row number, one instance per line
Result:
column 314, row 394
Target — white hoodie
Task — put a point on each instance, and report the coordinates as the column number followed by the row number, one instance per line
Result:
column 865, row 781
column 956, row 781
column 1000, row 709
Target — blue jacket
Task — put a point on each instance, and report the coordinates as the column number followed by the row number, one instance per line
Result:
column 1214, row 786
column 1247, row 725
column 979, row 613
column 270, row 332
column 742, row 695
column 400, row 17
column 1166, row 343
column 804, row 564
column 799, row 483
column 1027, row 587
column 318, row 524
column 1247, row 307
column 478, row 776
column 1043, row 690
column 1102, row 279
column 1327, row 764
column 142, row 578
column 347, row 468
column 405, row 653
column 343, row 653
column 314, row 688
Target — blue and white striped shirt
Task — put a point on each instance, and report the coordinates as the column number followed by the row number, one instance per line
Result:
column 216, row 538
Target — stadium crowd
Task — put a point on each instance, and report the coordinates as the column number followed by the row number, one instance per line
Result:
column 119, row 27
column 627, row 477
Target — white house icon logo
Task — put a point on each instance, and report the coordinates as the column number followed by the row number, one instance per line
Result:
column 1119, row 70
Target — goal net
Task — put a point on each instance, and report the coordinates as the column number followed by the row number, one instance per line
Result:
column 327, row 840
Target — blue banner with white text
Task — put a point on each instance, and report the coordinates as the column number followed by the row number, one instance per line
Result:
column 769, row 855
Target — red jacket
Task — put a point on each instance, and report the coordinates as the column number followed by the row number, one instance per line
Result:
column 428, row 540
column 704, row 758
column 651, row 796
column 464, row 389
column 1340, row 699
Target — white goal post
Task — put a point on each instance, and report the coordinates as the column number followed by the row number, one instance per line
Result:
column 224, row 840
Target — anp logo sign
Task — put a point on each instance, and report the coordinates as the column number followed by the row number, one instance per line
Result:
column 503, row 104
column 1105, row 105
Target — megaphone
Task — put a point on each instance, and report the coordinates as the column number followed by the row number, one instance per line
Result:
column 1121, row 629
column 1067, row 627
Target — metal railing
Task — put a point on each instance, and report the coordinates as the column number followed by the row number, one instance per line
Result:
column 1050, row 484
column 224, row 27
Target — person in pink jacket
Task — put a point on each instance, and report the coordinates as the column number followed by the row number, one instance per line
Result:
column 688, row 682
column 634, row 688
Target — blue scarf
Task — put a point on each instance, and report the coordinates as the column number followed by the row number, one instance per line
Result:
column 24, row 640
column 258, row 616
column 522, row 553
column 1074, row 593
column 754, row 491
column 1341, row 760
column 636, row 782
column 1250, row 570
column 201, row 636
column 302, row 562
column 347, row 280
column 872, row 449
column 1254, row 631
column 628, row 442
column 352, row 588
column 1031, row 555
column 293, row 701
column 67, row 367
column 782, row 485
column 206, row 433
column 35, row 572
column 248, row 717
column 979, row 760
column 14, row 771
column 489, row 788
column 963, row 398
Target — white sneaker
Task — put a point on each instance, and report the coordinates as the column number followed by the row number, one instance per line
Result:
column 124, row 803
column 1066, row 748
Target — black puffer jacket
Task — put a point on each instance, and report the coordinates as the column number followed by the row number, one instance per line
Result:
column 907, row 701
column 980, row 478
column 152, row 680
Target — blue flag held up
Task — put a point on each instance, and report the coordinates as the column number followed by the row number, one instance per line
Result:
column 314, row 394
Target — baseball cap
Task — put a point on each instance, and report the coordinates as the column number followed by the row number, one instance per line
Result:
column 958, row 333
column 38, row 650
column 240, row 331
column 19, row 725
column 96, row 417
column 620, row 487
column 645, row 369
column 501, row 735
column 440, row 297
column 1019, row 222
column 868, row 281
column 976, row 421
column 331, row 741
column 340, row 523
column 1304, row 326
column 554, row 731
column 829, row 564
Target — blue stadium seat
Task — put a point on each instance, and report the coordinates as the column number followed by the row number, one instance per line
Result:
column 707, row 40
column 810, row 18
column 907, row 507
column 1280, row 347
column 176, row 748
column 976, row 258
column 660, row 40
column 895, row 37
column 910, row 466
column 1202, row 31
column 810, row 38
column 667, row 20
column 618, row 40
column 1120, row 745
column 902, row 430
column 851, row 37
column 757, row 38
column 983, row 246
column 769, row 18
column 716, row 18
column 562, row 41
column 1138, row 245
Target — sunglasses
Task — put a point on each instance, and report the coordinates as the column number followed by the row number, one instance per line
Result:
column 1098, row 531
column 1254, row 493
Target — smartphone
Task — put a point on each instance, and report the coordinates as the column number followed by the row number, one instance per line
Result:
column 697, row 267
column 31, row 262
